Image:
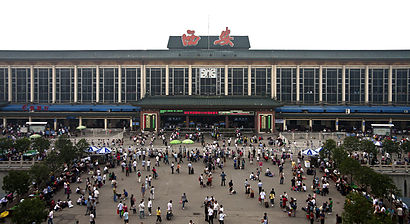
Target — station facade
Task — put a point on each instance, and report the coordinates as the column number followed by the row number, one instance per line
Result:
column 211, row 81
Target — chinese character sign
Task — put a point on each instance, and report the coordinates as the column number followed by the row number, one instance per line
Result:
column 224, row 38
column 190, row 40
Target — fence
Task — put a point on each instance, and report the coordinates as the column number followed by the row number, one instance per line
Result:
column 322, row 136
column 16, row 165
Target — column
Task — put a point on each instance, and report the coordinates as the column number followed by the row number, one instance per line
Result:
column 273, row 82
column 320, row 84
column 226, row 80
column 131, row 123
column 190, row 80
column 366, row 85
column 310, row 124
column 284, row 125
column 119, row 83
column 363, row 125
column 226, row 121
column 31, row 83
column 249, row 80
column 142, row 82
column 344, row 84
column 297, row 84
column 166, row 80
column 105, row 123
column 10, row 84
column 337, row 124
column 4, row 122
column 55, row 123
column 30, row 119
column 390, row 85
column 80, row 121
column 187, row 121
column 390, row 121
column 54, row 85
column 75, row 84
column 97, row 84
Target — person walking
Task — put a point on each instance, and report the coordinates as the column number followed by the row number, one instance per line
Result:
column 264, row 219
column 149, row 206
column 210, row 215
column 221, row 217
column 143, row 190
column 172, row 167
column 159, row 219
column 126, row 217
column 260, row 186
column 50, row 217
column 223, row 178
column 120, row 207
column 92, row 218
column 141, row 207
column 183, row 200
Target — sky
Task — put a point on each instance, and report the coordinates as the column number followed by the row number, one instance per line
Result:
column 147, row 24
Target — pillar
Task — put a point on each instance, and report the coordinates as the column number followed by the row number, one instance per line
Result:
column 337, row 124
column 310, row 124
column 142, row 82
column 273, row 81
column 190, row 80
column 105, row 123
column 390, row 121
column 249, row 80
column 30, row 119
column 4, row 122
column 31, row 83
column 363, row 125
column 226, row 80
column 55, row 124
column 297, row 84
column 54, row 85
column 119, row 83
column 80, row 121
column 366, row 85
column 187, row 121
column 166, row 80
column 320, row 84
column 75, row 84
column 344, row 84
column 226, row 121
column 390, row 85
column 131, row 123
column 97, row 85
column 284, row 125
column 10, row 83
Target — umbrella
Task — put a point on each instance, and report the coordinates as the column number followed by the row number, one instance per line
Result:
column 93, row 149
column 378, row 143
column 35, row 136
column 318, row 149
column 188, row 141
column 30, row 153
column 104, row 150
column 81, row 127
column 174, row 142
column 310, row 152
column 4, row 214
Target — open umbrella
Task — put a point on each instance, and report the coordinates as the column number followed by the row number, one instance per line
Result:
column 318, row 149
column 174, row 142
column 35, row 136
column 4, row 214
column 188, row 141
column 31, row 153
column 378, row 143
column 310, row 152
column 104, row 150
column 93, row 149
column 81, row 127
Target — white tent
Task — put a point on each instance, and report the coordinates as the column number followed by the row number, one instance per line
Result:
column 104, row 150
column 310, row 152
column 93, row 149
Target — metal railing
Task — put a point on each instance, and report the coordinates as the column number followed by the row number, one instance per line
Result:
column 17, row 165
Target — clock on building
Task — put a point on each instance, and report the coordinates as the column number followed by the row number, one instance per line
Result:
column 207, row 72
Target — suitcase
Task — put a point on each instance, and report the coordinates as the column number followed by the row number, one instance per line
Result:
column 266, row 204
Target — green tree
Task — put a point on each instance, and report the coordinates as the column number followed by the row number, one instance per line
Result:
column 53, row 160
column 382, row 185
column 368, row 146
column 5, row 144
column 30, row 211
column 41, row 144
column 67, row 152
column 39, row 174
column 16, row 181
column 328, row 148
column 22, row 144
column 390, row 146
column 82, row 147
column 357, row 209
column 351, row 143
column 405, row 146
column 350, row 167
column 338, row 155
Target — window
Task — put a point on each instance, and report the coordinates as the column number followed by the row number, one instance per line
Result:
column 309, row 85
column 400, row 84
column 131, row 87
column 378, row 85
column 332, row 85
column 64, row 85
column 86, row 84
column 261, row 81
column 155, row 81
column 208, row 85
column 20, row 85
column 355, row 85
column 43, row 85
column 238, row 81
column 108, row 85
column 178, row 81
column 286, row 84
column 4, row 84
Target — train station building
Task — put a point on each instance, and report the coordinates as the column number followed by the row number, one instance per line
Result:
column 206, row 82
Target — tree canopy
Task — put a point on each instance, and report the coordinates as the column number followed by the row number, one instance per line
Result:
column 357, row 209
column 22, row 144
column 39, row 173
column 41, row 144
column 351, row 143
column 30, row 211
column 16, row 181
